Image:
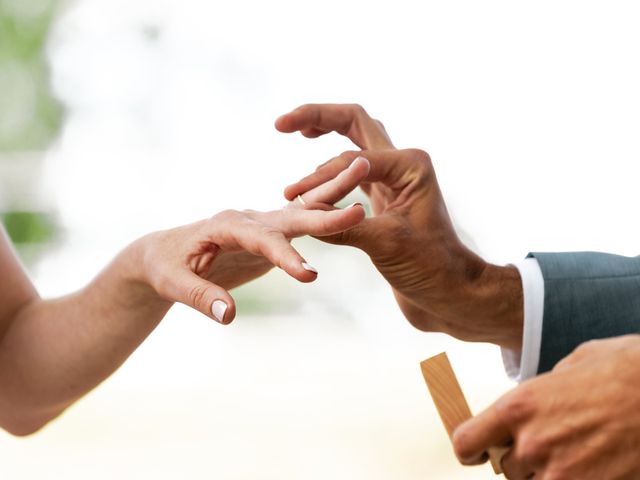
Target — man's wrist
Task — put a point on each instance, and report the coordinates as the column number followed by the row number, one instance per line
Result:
column 489, row 302
column 500, row 303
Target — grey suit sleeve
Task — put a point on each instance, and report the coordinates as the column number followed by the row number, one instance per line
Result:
column 587, row 296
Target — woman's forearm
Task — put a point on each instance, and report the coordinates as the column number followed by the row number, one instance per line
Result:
column 55, row 351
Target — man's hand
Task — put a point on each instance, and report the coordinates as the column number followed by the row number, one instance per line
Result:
column 439, row 284
column 582, row 420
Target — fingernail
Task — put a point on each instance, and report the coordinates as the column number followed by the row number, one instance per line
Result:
column 309, row 268
column 354, row 204
column 218, row 309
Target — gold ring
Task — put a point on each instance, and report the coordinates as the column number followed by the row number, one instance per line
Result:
column 301, row 200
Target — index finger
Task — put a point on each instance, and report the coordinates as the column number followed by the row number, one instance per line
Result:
column 337, row 188
column 351, row 121
column 390, row 167
column 476, row 436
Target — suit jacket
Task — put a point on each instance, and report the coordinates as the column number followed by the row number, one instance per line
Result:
column 587, row 296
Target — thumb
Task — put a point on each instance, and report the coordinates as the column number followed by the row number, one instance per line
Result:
column 202, row 295
column 366, row 235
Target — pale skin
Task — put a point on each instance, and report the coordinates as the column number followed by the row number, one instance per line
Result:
column 54, row 351
column 582, row 420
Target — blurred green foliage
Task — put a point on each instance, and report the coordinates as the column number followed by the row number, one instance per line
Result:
column 30, row 117
column 29, row 227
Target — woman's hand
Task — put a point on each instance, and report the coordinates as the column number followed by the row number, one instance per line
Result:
column 54, row 351
column 196, row 264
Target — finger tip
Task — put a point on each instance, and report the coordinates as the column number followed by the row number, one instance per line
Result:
column 356, row 212
column 475, row 460
column 224, row 322
column 290, row 192
column 367, row 163
column 223, row 310
column 362, row 166
column 311, row 133
column 459, row 442
column 307, row 273
column 464, row 452
column 283, row 124
column 309, row 279
column 279, row 126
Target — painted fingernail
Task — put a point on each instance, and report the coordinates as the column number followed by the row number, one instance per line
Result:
column 309, row 268
column 354, row 204
column 218, row 309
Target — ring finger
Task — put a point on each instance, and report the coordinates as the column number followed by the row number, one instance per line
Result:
column 337, row 188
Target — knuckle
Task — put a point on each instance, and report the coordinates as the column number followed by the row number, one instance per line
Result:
column 531, row 449
column 358, row 109
column 228, row 214
column 249, row 216
column 562, row 364
column 421, row 164
column 518, row 406
column 587, row 347
column 305, row 108
column 197, row 295
column 420, row 156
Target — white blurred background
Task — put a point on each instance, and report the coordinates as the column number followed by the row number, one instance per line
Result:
column 161, row 112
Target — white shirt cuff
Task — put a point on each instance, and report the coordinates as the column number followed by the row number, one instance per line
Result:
column 522, row 365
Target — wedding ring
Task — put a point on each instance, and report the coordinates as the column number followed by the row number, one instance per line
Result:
column 301, row 200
